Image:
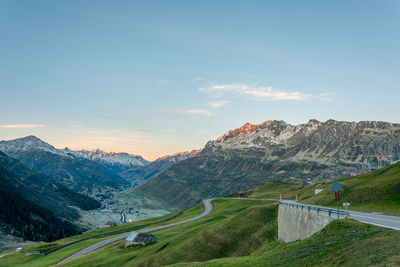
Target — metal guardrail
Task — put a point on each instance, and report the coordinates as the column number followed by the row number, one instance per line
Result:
column 318, row 210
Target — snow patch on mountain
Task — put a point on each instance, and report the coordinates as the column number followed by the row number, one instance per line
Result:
column 111, row 158
column 13, row 147
column 250, row 135
column 179, row 156
column 28, row 143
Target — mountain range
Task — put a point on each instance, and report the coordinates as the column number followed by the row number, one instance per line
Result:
column 93, row 172
column 59, row 182
column 41, row 186
column 252, row 155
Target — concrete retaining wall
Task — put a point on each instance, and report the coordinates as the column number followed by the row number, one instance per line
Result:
column 295, row 224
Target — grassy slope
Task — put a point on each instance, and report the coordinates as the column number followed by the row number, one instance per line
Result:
column 376, row 191
column 19, row 259
column 341, row 243
column 235, row 228
column 243, row 233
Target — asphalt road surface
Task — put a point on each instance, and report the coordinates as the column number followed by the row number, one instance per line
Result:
column 208, row 209
column 374, row 218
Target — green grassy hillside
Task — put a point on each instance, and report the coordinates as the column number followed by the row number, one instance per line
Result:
column 21, row 259
column 244, row 233
column 341, row 243
column 235, row 228
column 376, row 191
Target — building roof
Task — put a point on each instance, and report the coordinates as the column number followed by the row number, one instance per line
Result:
column 139, row 237
column 131, row 236
column 142, row 237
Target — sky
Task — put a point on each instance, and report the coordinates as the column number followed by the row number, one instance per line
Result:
column 158, row 77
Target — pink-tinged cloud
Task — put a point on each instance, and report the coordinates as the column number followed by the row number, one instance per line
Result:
column 198, row 112
column 257, row 92
column 194, row 112
column 117, row 140
column 95, row 132
column 77, row 126
column 22, row 126
column 138, row 130
column 217, row 104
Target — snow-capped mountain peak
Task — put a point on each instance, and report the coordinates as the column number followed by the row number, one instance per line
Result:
column 25, row 144
column 180, row 155
column 247, row 128
column 13, row 147
column 112, row 158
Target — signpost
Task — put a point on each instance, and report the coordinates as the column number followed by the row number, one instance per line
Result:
column 336, row 187
column 346, row 204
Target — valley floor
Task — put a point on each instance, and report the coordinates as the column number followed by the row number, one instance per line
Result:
column 123, row 205
column 10, row 243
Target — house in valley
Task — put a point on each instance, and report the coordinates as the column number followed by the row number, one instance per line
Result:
column 135, row 238
column 111, row 224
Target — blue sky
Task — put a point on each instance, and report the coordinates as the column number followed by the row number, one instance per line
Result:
column 157, row 77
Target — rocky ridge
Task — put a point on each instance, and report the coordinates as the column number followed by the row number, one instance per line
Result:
column 275, row 150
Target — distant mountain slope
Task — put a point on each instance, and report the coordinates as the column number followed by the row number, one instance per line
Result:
column 274, row 150
column 117, row 162
column 137, row 175
column 43, row 191
column 32, row 205
column 27, row 219
column 76, row 172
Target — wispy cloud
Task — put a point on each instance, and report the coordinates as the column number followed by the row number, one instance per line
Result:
column 267, row 93
column 327, row 97
column 199, row 112
column 22, row 126
column 95, row 132
column 169, row 131
column 116, row 140
column 77, row 126
column 105, row 116
column 196, row 112
column 163, row 82
column 217, row 104
column 198, row 79
column 138, row 130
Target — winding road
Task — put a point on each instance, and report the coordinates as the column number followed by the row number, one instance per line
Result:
column 208, row 209
column 374, row 218
column 388, row 221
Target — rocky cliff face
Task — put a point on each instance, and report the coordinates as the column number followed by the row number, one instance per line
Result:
column 274, row 150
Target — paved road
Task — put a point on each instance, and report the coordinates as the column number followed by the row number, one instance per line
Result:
column 387, row 221
column 246, row 198
column 208, row 209
column 9, row 253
